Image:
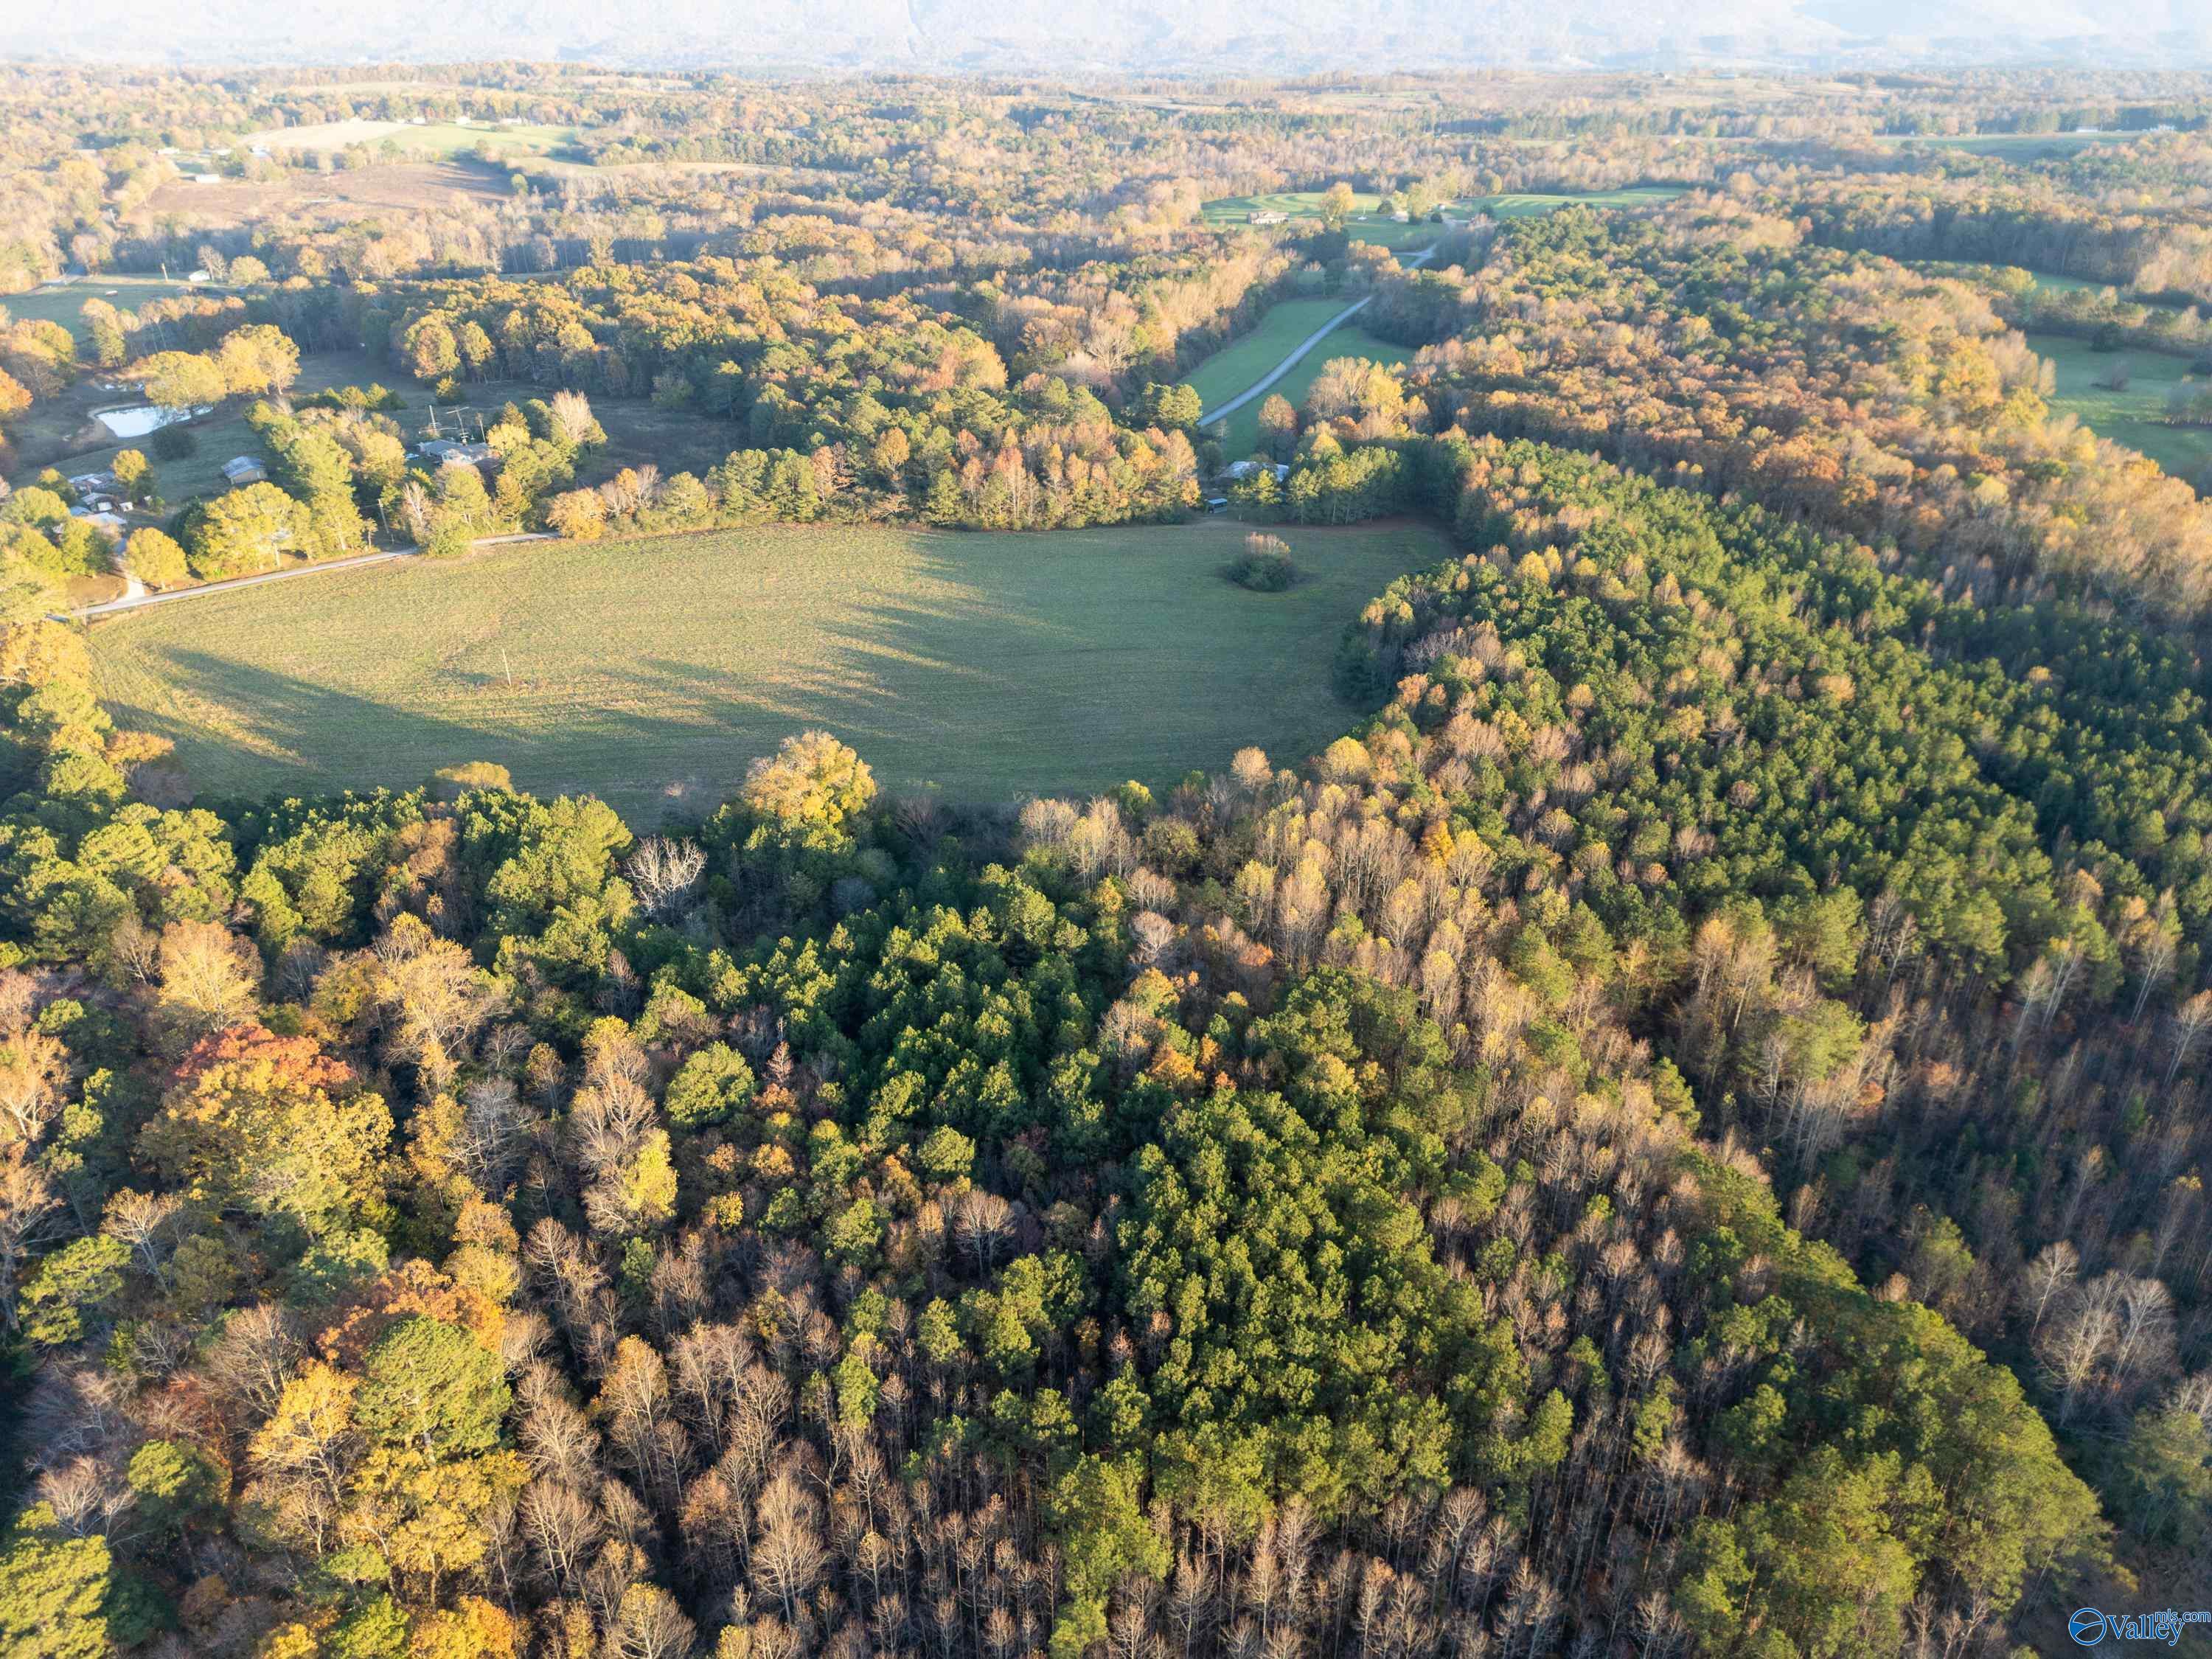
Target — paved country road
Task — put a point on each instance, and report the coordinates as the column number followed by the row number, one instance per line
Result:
column 1259, row 388
column 138, row 599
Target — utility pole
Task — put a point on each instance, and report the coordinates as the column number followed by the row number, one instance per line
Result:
column 162, row 324
column 506, row 664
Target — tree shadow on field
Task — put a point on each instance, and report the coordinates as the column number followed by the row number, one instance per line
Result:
column 305, row 738
column 655, row 734
column 1010, row 667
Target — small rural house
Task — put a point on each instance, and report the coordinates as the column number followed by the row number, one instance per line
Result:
column 448, row 452
column 244, row 470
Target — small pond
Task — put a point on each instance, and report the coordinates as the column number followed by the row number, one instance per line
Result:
column 136, row 422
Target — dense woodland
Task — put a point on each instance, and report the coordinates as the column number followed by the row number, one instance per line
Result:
column 1681, row 1132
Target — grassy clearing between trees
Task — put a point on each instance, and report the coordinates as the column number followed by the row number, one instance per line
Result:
column 652, row 672
column 1252, row 357
column 1349, row 340
column 2016, row 146
column 437, row 137
column 1527, row 204
column 2133, row 415
column 64, row 302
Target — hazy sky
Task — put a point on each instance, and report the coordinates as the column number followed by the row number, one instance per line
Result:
column 1244, row 36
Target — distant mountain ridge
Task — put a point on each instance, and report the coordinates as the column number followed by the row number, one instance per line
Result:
column 1254, row 37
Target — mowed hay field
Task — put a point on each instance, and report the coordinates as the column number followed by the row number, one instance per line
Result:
column 652, row 672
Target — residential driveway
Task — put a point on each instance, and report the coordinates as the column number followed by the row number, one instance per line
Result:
column 139, row 599
column 1259, row 389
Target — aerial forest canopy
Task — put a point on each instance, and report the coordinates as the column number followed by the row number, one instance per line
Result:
column 1679, row 1132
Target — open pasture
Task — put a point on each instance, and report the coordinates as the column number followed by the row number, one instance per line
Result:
column 432, row 138
column 1529, row 204
column 64, row 302
column 1366, row 224
column 652, row 672
column 2133, row 413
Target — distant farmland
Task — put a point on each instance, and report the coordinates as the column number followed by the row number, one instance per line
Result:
column 1527, row 204
column 2017, row 146
column 652, row 672
column 1367, row 224
column 435, row 139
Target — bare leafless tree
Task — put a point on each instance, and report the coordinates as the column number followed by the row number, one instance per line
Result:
column 665, row 875
column 983, row 1222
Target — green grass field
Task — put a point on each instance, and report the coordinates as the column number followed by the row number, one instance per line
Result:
column 433, row 138
column 1349, row 340
column 1527, row 204
column 990, row 665
column 2057, row 284
column 1366, row 225
column 1250, row 356
column 2016, row 146
column 2131, row 416
column 63, row 303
